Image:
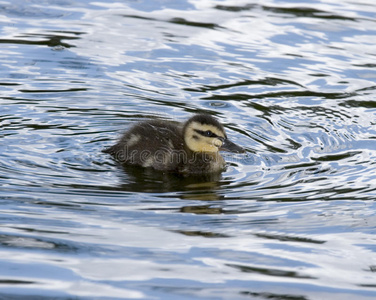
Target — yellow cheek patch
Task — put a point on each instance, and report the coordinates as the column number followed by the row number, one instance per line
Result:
column 207, row 148
column 200, row 143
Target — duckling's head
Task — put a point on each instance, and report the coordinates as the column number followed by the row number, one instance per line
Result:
column 203, row 133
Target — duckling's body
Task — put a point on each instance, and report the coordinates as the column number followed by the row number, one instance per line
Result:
column 189, row 148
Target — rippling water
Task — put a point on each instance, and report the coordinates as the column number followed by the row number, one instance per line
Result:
column 293, row 82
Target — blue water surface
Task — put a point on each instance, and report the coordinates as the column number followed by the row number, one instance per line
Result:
column 293, row 82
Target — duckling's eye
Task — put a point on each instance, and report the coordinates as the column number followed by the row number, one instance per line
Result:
column 209, row 133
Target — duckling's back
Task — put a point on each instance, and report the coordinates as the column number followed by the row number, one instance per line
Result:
column 155, row 143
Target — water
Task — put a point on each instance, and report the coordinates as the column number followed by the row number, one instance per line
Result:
column 293, row 82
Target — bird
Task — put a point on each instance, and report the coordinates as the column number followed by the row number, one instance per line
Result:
column 187, row 148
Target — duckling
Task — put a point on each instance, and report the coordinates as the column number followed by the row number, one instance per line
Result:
column 190, row 148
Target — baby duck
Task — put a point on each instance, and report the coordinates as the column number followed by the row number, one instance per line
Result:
column 189, row 148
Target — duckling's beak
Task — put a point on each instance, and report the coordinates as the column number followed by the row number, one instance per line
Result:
column 227, row 145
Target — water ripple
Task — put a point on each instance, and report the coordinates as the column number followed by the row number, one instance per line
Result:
column 293, row 218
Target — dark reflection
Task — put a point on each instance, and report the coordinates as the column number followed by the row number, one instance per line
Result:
column 182, row 21
column 359, row 103
column 202, row 234
column 39, row 231
column 13, row 281
column 176, row 20
column 280, row 94
column 285, row 238
column 336, row 157
column 307, row 12
column 148, row 180
column 202, row 210
column 54, row 90
column 236, row 8
column 269, row 81
column 274, row 296
column 50, row 40
column 138, row 17
column 368, row 285
column 269, row 272
column 9, row 84
column 197, row 210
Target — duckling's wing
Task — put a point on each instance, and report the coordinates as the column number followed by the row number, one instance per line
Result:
column 149, row 144
column 166, row 135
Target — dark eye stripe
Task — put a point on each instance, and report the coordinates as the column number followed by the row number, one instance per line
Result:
column 207, row 133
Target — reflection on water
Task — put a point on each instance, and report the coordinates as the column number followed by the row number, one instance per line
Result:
column 136, row 179
column 293, row 218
